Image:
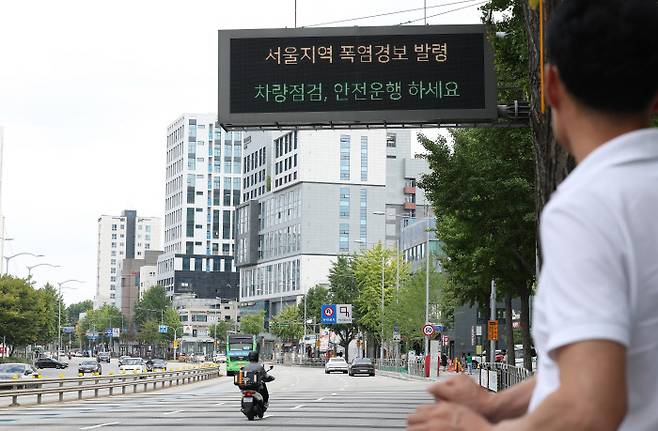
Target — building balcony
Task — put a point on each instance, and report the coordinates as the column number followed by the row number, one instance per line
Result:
column 409, row 190
column 409, row 206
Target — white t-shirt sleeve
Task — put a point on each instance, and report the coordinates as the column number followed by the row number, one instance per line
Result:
column 583, row 285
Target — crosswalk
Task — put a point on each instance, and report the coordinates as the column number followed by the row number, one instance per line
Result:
column 316, row 410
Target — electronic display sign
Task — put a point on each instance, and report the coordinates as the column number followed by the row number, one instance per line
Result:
column 355, row 77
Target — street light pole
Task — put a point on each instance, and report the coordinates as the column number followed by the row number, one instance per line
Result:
column 59, row 313
column 25, row 253
column 381, row 342
column 31, row 267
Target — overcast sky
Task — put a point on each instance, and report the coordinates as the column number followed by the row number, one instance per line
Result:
column 87, row 89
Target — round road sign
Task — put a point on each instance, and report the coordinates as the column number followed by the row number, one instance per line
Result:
column 428, row 330
column 328, row 311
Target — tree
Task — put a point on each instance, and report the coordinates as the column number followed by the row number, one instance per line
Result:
column 73, row 311
column 344, row 289
column 100, row 320
column 151, row 305
column 49, row 299
column 219, row 331
column 252, row 324
column 21, row 312
column 288, row 325
column 315, row 297
column 407, row 303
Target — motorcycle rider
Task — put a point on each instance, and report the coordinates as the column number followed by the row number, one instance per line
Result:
column 256, row 367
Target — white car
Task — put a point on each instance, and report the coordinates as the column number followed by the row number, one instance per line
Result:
column 131, row 365
column 336, row 364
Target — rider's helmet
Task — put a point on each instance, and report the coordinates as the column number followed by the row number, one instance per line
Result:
column 253, row 357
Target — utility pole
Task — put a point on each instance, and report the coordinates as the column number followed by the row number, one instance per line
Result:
column 381, row 342
column 427, row 285
column 492, row 343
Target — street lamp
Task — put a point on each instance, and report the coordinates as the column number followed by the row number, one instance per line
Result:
column 25, row 253
column 59, row 312
column 31, row 267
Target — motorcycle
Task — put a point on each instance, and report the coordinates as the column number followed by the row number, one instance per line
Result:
column 253, row 403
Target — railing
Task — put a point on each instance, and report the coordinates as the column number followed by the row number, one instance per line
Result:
column 413, row 366
column 39, row 387
column 498, row 376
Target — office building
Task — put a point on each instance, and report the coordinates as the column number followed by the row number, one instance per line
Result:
column 203, row 176
column 309, row 196
column 126, row 236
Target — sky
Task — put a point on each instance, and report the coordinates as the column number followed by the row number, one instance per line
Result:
column 87, row 89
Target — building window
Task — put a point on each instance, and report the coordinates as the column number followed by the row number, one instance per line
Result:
column 344, row 157
column 391, row 140
column 190, row 223
column 344, row 209
column 344, row 238
column 364, row 158
column 114, row 227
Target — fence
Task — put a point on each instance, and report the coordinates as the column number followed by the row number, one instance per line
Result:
column 39, row 387
column 498, row 376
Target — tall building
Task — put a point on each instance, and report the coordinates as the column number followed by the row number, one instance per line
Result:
column 203, row 176
column 121, row 237
column 131, row 280
column 310, row 196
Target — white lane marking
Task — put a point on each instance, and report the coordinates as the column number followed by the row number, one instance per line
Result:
column 334, row 394
column 175, row 411
column 267, row 416
column 98, row 426
column 320, row 399
column 298, row 407
column 220, row 404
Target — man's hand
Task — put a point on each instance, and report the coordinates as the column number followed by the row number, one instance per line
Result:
column 446, row 416
column 464, row 391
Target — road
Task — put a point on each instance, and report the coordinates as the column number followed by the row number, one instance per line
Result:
column 72, row 370
column 301, row 398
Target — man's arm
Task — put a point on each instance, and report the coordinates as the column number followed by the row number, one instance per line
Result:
column 592, row 393
column 508, row 404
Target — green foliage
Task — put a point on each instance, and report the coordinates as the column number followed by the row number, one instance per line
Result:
column 288, row 325
column 483, row 196
column 73, row 311
column 407, row 309
column 252, row 324
column 21, row 312
column 368, row 267
column 219, row 331
column 151, row 305
column 49, row 299
column 315, row 297
column 108, row 316
column 153, row 309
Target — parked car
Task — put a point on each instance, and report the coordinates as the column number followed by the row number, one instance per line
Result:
column 45, row 362
column 156, row 365
column 89, row 366
column 362, row 366
column 133, row 364
column 336, row 364
column 104, row 357
column 16, row 370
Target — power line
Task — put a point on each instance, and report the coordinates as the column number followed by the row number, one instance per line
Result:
column 445, row 12
column 388, row 13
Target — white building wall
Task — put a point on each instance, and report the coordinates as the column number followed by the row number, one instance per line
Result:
column 111, row 250
column 147, row 278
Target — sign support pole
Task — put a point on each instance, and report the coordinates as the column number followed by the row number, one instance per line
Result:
column 492, row 342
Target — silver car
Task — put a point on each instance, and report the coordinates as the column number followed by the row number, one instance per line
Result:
column 336, row 364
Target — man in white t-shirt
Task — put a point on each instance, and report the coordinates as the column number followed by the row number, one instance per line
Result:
column 595, row 320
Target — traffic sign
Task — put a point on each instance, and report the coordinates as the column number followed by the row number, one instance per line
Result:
column 68, row 329
column 396, row 333
column 492, row 330
column 108, row 332
column 344, row 314
column 328, row 314
column 446, row 340
column 116, row 332
column 163, row 329
column 428, row 329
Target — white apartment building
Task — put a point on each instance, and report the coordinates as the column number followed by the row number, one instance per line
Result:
column 121, row 237
column 203, row 185
column 310, row 196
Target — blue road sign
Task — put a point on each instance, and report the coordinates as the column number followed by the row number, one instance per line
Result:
column 439, row 328
column 329, row 314
column 108, row 332
column 163, row 329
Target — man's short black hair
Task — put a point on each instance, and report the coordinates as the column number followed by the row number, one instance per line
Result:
column 607, row 52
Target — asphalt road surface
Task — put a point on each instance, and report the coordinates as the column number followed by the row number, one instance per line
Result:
column 300, row 398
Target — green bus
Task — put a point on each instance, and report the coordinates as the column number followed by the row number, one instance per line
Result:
column 238, row 347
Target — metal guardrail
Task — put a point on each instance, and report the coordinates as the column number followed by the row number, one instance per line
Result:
column 39, row 387
column 498, row 376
